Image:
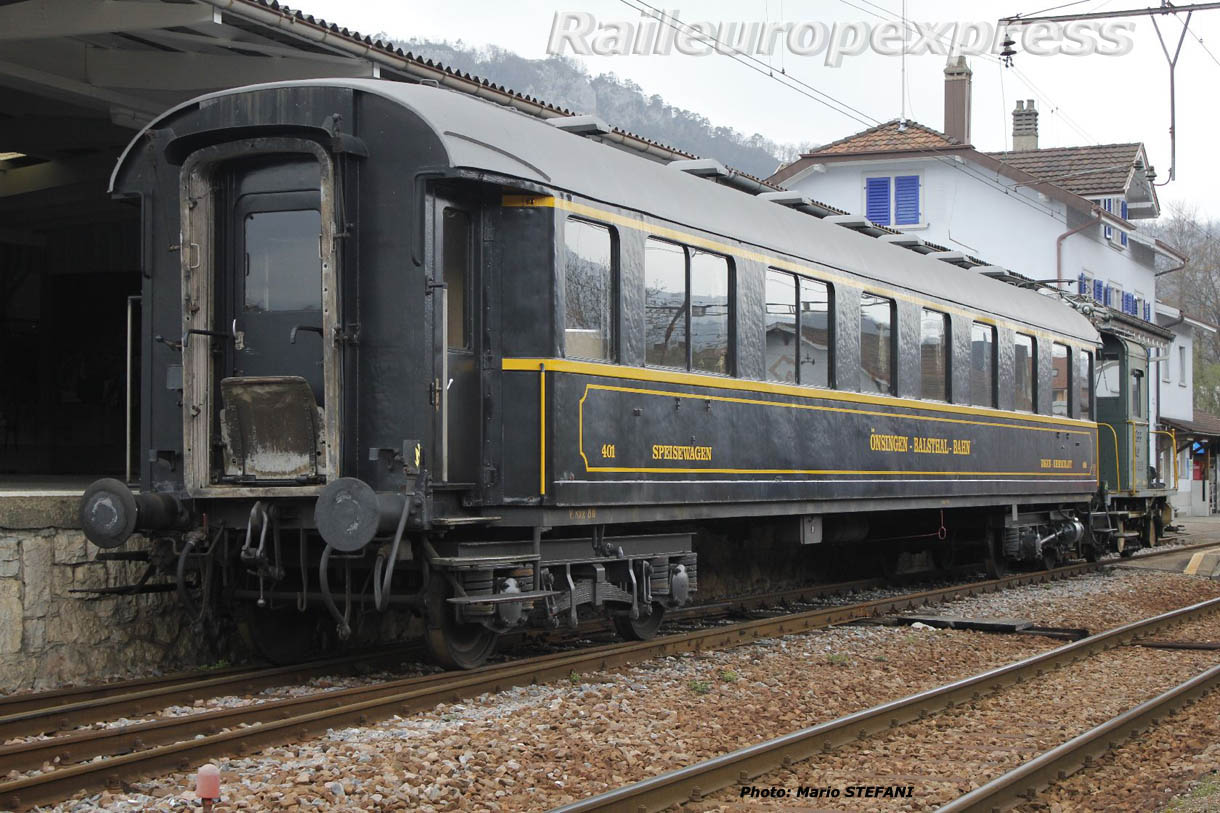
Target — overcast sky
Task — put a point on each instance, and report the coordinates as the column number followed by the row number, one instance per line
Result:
column 1082, row 100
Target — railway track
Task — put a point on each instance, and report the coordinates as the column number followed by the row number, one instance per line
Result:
column 59, row 710
column 1024, row 782
column 28, row 715
column 695, row 782
column 109, row 757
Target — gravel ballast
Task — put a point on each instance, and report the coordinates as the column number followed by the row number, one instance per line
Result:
column 536, row 747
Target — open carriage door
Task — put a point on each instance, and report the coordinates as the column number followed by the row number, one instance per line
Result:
column 456, row 386
column 259, row 306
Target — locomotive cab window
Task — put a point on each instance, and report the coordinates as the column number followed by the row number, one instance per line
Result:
column 982, row 365
column 1061, row 379
column 876, row 344
column 1084, row 383
column 934, row 351
column 1137, row 393
column 687, row 308
column 589, row 291
column 1025, row 369
column 798, row 326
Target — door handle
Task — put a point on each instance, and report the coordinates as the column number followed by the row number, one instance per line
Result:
column 292, row 337
column 186, row 337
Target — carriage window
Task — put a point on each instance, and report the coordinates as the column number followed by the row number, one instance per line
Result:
column 816, row 333
column 1025, row 367
column 1061, row 379
column 798, row 329
column 876, row 344
column 283, row 269
column 982, row 365
column 934, row 355
column 588, row 291
column 1084, row 382
column 709, row 312
column 1137, row 393
column 781, row 327
column 665, row 303
column 455, row 253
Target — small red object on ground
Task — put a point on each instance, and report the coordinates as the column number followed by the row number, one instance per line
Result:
column 207, row 785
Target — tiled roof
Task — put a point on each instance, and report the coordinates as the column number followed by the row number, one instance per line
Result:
column 892, row 136
column 1085, row 171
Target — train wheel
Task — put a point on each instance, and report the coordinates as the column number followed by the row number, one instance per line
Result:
column 453, row 643
column 640, row 629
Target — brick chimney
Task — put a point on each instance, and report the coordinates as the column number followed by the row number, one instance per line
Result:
column 1024, row 126
column 957, row 99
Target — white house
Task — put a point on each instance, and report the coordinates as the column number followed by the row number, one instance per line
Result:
column 1064, row 216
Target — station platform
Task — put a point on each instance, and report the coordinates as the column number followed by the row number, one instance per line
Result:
column 28, row 502
column 1196, row 531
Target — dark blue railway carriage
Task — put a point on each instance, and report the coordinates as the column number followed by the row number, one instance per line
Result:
column 406, row 345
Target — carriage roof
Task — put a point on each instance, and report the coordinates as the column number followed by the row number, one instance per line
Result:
column 482, row 136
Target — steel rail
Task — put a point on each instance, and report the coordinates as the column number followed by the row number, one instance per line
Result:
column 80, row 746
column 68, row 713
column 1024, row 782
column 57, row 699
column 301, row 717
column 693, row 782
column 59, row 709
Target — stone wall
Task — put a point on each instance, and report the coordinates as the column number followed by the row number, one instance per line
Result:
column 50, row 636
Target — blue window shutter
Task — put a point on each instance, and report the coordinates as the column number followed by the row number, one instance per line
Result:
column 906, row 200
column 877, row 200
column 1082, row 285
column 1108, row 205
column 1123, row 211
column 1099, row 290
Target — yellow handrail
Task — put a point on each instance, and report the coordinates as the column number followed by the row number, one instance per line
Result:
column 1131, row 455
column 1118, row 476
column 1173, row 453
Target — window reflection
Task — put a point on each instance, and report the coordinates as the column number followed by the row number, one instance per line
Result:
column 876, row 344
column 588, row 291
column 283, row 266
column 982, row 365
column 665, row 303
column 1061, row 385
column 934, row 355
column 709, row 312
column 1025, row 370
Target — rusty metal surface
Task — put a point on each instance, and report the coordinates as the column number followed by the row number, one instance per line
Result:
column 289, row 721
column 692, row 782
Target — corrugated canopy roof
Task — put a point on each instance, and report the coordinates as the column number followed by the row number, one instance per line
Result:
column 1204, row 424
